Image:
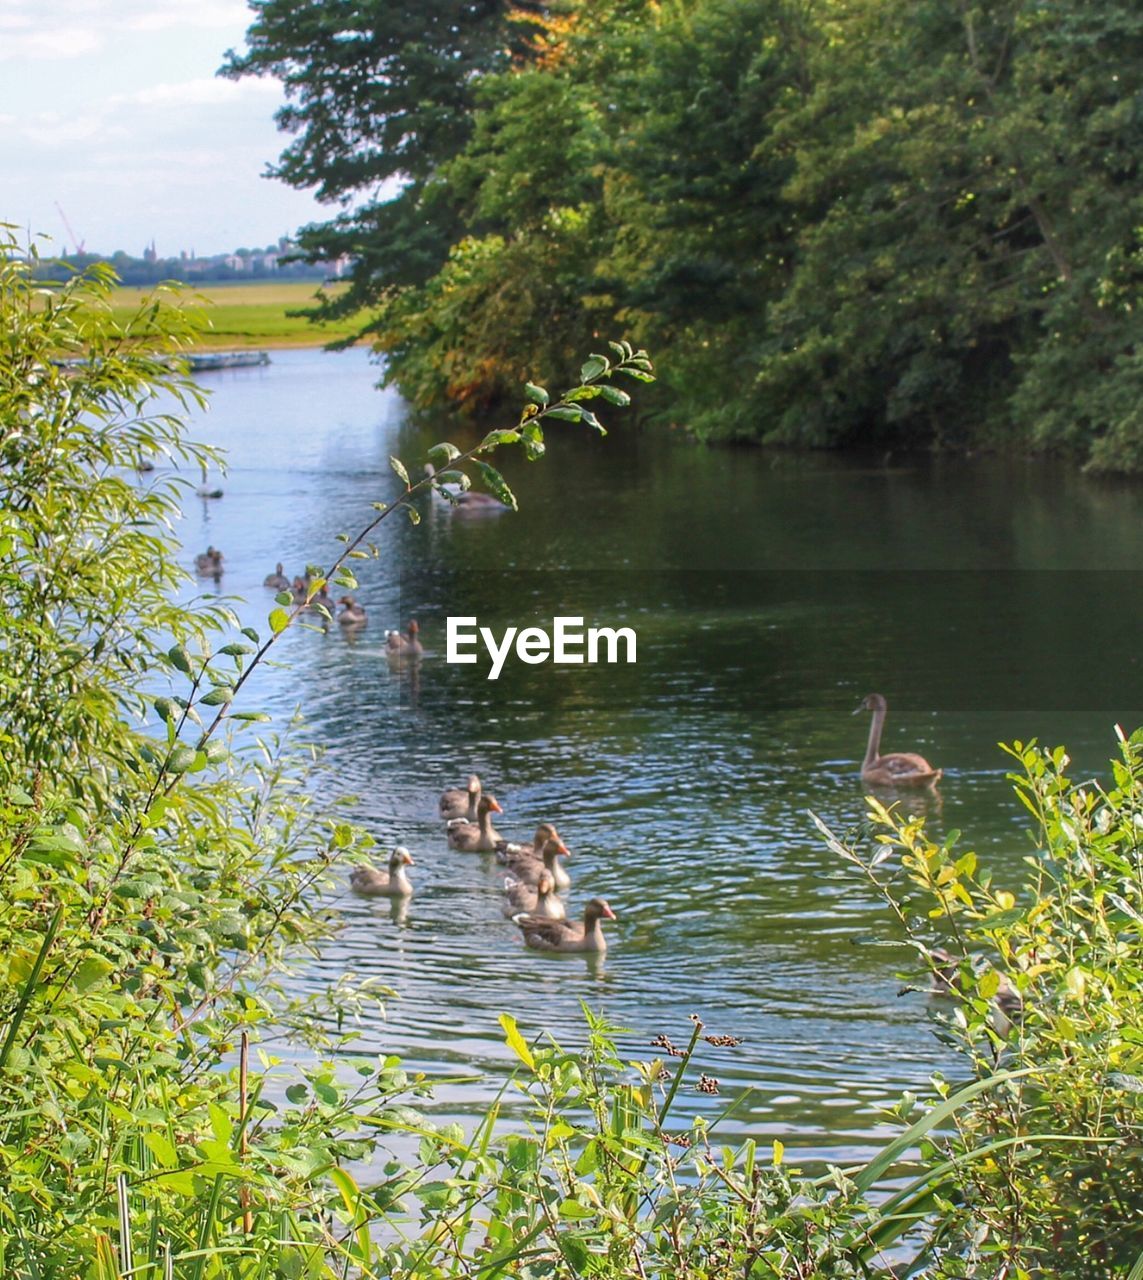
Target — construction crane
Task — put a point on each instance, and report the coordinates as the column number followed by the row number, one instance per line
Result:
column 79, row 244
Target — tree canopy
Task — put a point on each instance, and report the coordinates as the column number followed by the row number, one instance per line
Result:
column 837, row 221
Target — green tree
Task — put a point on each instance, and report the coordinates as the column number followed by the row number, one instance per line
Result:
column 703, row 239
column 379, row 95
column 967, row 198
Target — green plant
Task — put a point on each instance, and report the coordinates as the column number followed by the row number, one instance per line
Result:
column 160, row 866
column 1041, row 1175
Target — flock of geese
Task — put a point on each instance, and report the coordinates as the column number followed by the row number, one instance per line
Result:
column 400, row 647
column 533, row 874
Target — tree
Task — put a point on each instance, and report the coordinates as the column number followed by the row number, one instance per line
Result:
column 379, row 96
column 967, row 197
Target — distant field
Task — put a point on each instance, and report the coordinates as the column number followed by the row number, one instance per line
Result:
column 251, row 315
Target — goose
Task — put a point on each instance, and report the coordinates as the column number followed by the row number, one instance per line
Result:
column 458, row 803
column 466, row 500
column 478, row 837
column 529, row 867
column 277, row 581
column 506, row 850
column 567, row 935
column 352, row 614
column 300, row 590
column 326, row 602
column 394, row 883
column 408, row 644
column 533, row 900
column 898, row 768
column 1007, row 1002
column 208, row 564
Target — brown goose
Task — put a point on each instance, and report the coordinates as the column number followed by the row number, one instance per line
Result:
column 394, row 883
column 567, row 935
column 898, row 768
column 208, row 564
column 506, row 850
column 323, row 600
column 528, row 867
column 478, row 836
column 277, row 580
column 538, row 900
column 1007, row 1002
column 456, row 803
column 398, row 646
column 352, row 614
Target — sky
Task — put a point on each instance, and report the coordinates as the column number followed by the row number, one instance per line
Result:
column 111, row 110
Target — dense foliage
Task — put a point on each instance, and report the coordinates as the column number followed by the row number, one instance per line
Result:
column 836, row 221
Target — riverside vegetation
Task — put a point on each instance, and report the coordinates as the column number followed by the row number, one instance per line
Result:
column 836, row 222
column 161, row 867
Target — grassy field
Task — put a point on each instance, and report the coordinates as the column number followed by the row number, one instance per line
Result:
column 250, row 314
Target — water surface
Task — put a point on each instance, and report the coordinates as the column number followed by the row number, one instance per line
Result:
column 987, row 600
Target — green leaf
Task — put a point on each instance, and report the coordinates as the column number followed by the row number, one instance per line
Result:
column 565, row 413
column 279, row 620
column 536, row 394
column 593, row 366
column 496, row 485
column 615, row 395
column 516, row 1041
column 92, row 970
column 217, row 697
column 494, row 438
column 235, row 650
column 576, row 1211
column 181, row 758
column 398, row 468
column 284, row 598
column 179, row 658
column 443, row 452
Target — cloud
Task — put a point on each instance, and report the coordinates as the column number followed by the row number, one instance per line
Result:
column 60, row 43
column 81, row 27
column 221, row 13
column 195, row 93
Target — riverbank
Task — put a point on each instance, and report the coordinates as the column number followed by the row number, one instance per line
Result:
column 252, row 314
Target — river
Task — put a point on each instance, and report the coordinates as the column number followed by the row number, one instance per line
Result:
column 988, row 600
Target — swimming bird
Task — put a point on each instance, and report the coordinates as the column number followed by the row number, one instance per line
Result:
column 567, row 935
column 465, row 500
column 277, row 580
column 1007, row 1002
column 352, row 614
column 458, row 803
column 898, row 768
column 402, row 650
column 529, row 867
column 478, row 837
column 533, row 900
column 209, row 563
column 506, row 850
column 394, row 883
